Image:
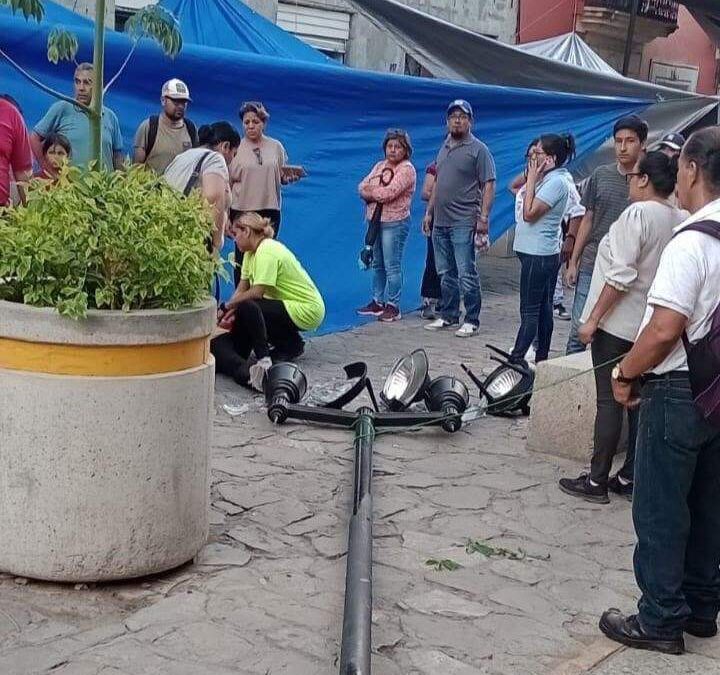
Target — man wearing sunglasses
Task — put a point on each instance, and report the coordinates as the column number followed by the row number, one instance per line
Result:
column 458, row 210
column 161, row 138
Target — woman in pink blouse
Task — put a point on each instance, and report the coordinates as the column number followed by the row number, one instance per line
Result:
column 389, row 186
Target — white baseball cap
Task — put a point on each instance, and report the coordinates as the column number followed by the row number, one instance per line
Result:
column 176, row 89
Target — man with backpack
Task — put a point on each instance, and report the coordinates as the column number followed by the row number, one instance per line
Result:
column 161, row 138
column 676, row 360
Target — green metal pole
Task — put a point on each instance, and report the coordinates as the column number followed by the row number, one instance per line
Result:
column 96, row 105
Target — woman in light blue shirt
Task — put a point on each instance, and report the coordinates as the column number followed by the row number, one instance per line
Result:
column 540, row 206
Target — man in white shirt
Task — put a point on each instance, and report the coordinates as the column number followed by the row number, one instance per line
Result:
column 676, row 500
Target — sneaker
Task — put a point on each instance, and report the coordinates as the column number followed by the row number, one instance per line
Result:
column 390, row 313
column 439, row 324
column 561, row 313
column 530, row 355
column 466, row 330
column 428, row 310
column 614, row 485
column 581, row 487
column 371, row 309
column 257, row 373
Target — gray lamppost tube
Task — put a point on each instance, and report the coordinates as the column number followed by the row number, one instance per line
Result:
column 356, row 634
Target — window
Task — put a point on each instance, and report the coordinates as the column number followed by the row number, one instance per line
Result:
column 675, row 75
column 124, row 9
column 326, row 30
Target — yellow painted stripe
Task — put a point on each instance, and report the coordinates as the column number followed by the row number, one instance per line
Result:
column 103, row 360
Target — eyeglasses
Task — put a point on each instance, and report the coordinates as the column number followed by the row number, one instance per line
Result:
column 629, row 176
column 258, row 155
column 459, row 116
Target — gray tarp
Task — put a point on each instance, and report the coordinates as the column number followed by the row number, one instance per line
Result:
column 449, row 51
column 569, row 48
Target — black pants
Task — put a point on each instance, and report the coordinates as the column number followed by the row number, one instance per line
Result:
column 261, row 323
column 431, row 280
column 609, row 417
column 537, row 284
column 274, row 216
column 227, row 359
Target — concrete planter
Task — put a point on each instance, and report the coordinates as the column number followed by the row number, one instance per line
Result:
column 104, row 441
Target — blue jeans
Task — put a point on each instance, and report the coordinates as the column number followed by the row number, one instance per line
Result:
column 387, row 261
column 676, row 509
column 455, row 262
column 538, row 277
column 582, row 288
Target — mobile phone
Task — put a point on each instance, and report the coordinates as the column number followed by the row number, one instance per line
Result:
column 294, row 171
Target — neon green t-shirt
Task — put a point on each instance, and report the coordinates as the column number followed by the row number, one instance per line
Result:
column 274, row 266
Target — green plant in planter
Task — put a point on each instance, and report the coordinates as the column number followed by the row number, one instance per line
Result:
column 106, row 240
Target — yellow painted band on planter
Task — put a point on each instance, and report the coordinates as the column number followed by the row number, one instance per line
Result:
column 103, row 360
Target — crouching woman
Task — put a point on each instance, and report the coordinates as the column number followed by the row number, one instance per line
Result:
column 274, row 301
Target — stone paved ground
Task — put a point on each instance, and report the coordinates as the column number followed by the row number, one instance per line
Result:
column 265, row 597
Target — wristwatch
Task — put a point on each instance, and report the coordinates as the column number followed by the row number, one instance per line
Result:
column 619, row 377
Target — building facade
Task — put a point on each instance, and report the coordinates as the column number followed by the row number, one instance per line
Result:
column 669, row 46
column 338, row 29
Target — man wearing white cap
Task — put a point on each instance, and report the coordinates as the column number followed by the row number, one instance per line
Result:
column 161, row 138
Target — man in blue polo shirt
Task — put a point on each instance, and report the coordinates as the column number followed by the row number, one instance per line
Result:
column 70, row 121
column 458, row 210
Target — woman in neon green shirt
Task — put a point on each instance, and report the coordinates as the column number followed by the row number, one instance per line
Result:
column 274, row 301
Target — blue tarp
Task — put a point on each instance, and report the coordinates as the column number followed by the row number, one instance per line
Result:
column 331, row 120
column 230, row 24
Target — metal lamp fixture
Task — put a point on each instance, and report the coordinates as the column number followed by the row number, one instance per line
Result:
column 449, row 396
column 508, row 389
column 407, row 381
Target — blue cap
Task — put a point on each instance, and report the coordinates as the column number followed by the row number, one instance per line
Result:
column 672, row 141
column 462, row 105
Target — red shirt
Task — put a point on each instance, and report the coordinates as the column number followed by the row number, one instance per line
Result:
column 15, row 152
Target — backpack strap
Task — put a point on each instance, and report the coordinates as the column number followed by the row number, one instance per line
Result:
column 712, row 228
column 152, row 134
column 192, row 132
column 192, row 181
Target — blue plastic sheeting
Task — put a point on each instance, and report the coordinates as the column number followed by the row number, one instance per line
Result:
column 332, row 120
column 229, row 24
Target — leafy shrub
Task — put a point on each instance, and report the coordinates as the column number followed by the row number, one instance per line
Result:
column 106, row 240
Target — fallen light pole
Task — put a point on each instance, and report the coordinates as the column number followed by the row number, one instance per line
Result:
column 446, row 399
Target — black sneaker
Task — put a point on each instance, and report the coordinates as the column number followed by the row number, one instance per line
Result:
column 560, row 312
column 614, row 485
column 581, row 487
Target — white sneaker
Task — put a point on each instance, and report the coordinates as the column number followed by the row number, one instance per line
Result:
column 466, row 330
column 438, row 324
column 530, row 355
column 257, row 373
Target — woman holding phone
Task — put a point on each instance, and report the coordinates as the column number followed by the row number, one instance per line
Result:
column 539, row 208
column 259, row 170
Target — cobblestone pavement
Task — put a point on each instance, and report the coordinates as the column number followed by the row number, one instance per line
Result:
column 266, row 595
